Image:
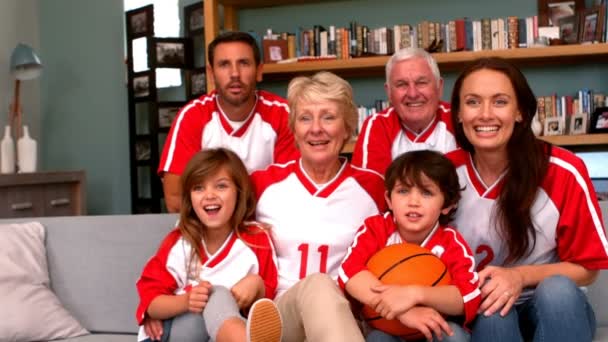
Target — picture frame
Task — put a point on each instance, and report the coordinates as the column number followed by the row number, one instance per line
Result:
column 599, row 120
column 194, row 19
column 550, row 11
column 275, row 50
column 170, row 52
column 591, row 24
column 141, row 85
column 143, row 150
column 140, row 22
column 553, row 126
column 578, row 124
column 167, row 111
column 568, row 29
column 196, row 83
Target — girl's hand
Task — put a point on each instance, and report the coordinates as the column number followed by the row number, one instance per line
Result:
column 427, row 320
column 153, row 328
column 393, row 300
column 198, row 297
column 247, row 290
column 499, row 290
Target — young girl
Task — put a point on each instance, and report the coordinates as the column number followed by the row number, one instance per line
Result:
column 214, row 264
column 422, row 191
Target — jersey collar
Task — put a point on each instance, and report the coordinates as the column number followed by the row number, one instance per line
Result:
column 226, row 124
column 326, row 189
column 490, row 192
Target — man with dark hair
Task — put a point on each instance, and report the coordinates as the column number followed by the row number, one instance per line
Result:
column 252, row 123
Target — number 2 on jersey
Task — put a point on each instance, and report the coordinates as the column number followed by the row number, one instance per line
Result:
column 323, row 251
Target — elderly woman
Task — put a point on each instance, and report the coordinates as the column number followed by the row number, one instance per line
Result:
column 528, row 211
column 315, row 205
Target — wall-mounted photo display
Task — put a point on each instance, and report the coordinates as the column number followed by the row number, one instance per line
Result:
column 170, row 52
column 143, row 150
column 167, row 111
column 196, row 83
column 140, row 22
column 142, row 83
column 194, row 19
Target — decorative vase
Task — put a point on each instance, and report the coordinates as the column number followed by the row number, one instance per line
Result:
column 26, row 152
column 537, row 127
column 7, row 152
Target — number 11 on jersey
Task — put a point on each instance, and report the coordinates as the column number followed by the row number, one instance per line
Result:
column 323, row 251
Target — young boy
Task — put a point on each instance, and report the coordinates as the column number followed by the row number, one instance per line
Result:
column 422, row 191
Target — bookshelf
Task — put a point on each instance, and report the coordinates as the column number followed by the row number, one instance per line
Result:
column 374, row 66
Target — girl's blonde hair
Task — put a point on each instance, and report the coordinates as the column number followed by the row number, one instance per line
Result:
column 203, row 165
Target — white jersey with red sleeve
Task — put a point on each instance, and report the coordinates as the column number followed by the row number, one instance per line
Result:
column 313, row 225
column 169, row 271
column 446, row 243
column 263, row 138
column 565, row 213
column 383, row 138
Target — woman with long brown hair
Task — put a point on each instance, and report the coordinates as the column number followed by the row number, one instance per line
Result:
column 528, row 212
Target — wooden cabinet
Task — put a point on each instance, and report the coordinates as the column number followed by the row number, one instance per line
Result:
column 42, row 194
column 374, row 66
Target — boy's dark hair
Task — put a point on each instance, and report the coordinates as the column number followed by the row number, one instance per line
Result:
column 233, row 36
column 409, row 167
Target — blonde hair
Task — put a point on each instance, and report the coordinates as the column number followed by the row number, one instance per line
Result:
column 203, row 165
column 323, row 86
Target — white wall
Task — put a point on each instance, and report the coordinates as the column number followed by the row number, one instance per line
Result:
column 19, row 23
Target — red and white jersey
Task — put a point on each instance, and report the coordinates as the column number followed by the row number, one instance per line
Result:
column 383, row 138
column 313, row 225
column 167, row 273
column 263, row 138
column 566, row 215
column 446, row 243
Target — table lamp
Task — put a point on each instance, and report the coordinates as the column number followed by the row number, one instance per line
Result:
column 25, row 65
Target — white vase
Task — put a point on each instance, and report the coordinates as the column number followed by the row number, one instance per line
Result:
column 537, row 127
column 26, row 152
column 7, row 152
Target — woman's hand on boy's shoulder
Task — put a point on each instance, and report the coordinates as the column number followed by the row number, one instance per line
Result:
column 198, row 296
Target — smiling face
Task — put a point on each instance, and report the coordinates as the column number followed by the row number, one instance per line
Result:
column 214, row 201
column 414, row 92
column 488, row 110
column 319, row 132
column 235, row 73
column 416, row 209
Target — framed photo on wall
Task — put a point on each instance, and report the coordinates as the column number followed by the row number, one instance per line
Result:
column 140, row 22
column 550, row 11
column 599, row 121
column 194, row 19
column 167, row 111
column 196, row 83
column 170, row 52
column 591, row 24
column 141, row 85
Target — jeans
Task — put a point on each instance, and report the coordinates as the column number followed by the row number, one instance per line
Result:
column 460, row 335
column 557, row 311
column 185, row 327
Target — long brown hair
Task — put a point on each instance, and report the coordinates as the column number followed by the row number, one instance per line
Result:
column 203, row 165
column 528, row 159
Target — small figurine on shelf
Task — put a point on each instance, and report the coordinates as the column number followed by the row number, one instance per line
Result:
column 7, row 152
column 26, row 152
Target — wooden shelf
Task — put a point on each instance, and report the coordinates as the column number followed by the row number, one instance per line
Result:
column 365, row 66
column 583, row 140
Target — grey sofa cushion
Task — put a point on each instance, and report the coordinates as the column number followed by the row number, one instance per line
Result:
column 94, row 262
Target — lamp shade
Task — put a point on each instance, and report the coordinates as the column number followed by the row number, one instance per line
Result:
column 25, row 65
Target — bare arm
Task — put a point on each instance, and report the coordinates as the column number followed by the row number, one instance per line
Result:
column 167, row 306
column 445, row 299
column 172, row 190
column 360, row 286
column 532, row 275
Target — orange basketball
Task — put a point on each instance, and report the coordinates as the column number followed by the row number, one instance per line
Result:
column 404, row 264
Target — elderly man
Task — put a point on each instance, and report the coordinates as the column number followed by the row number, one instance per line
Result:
column 416, row 120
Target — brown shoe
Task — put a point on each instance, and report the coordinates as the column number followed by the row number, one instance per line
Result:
column 264, row 322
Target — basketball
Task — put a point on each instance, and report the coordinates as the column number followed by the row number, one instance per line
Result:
column 404, row 264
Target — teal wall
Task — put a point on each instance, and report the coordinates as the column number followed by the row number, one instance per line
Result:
column 84, row 98
column 376, row 13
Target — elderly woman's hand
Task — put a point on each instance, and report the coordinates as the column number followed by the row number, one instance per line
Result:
column 500, row 289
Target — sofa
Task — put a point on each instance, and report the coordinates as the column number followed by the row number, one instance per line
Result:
column 94, row 262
